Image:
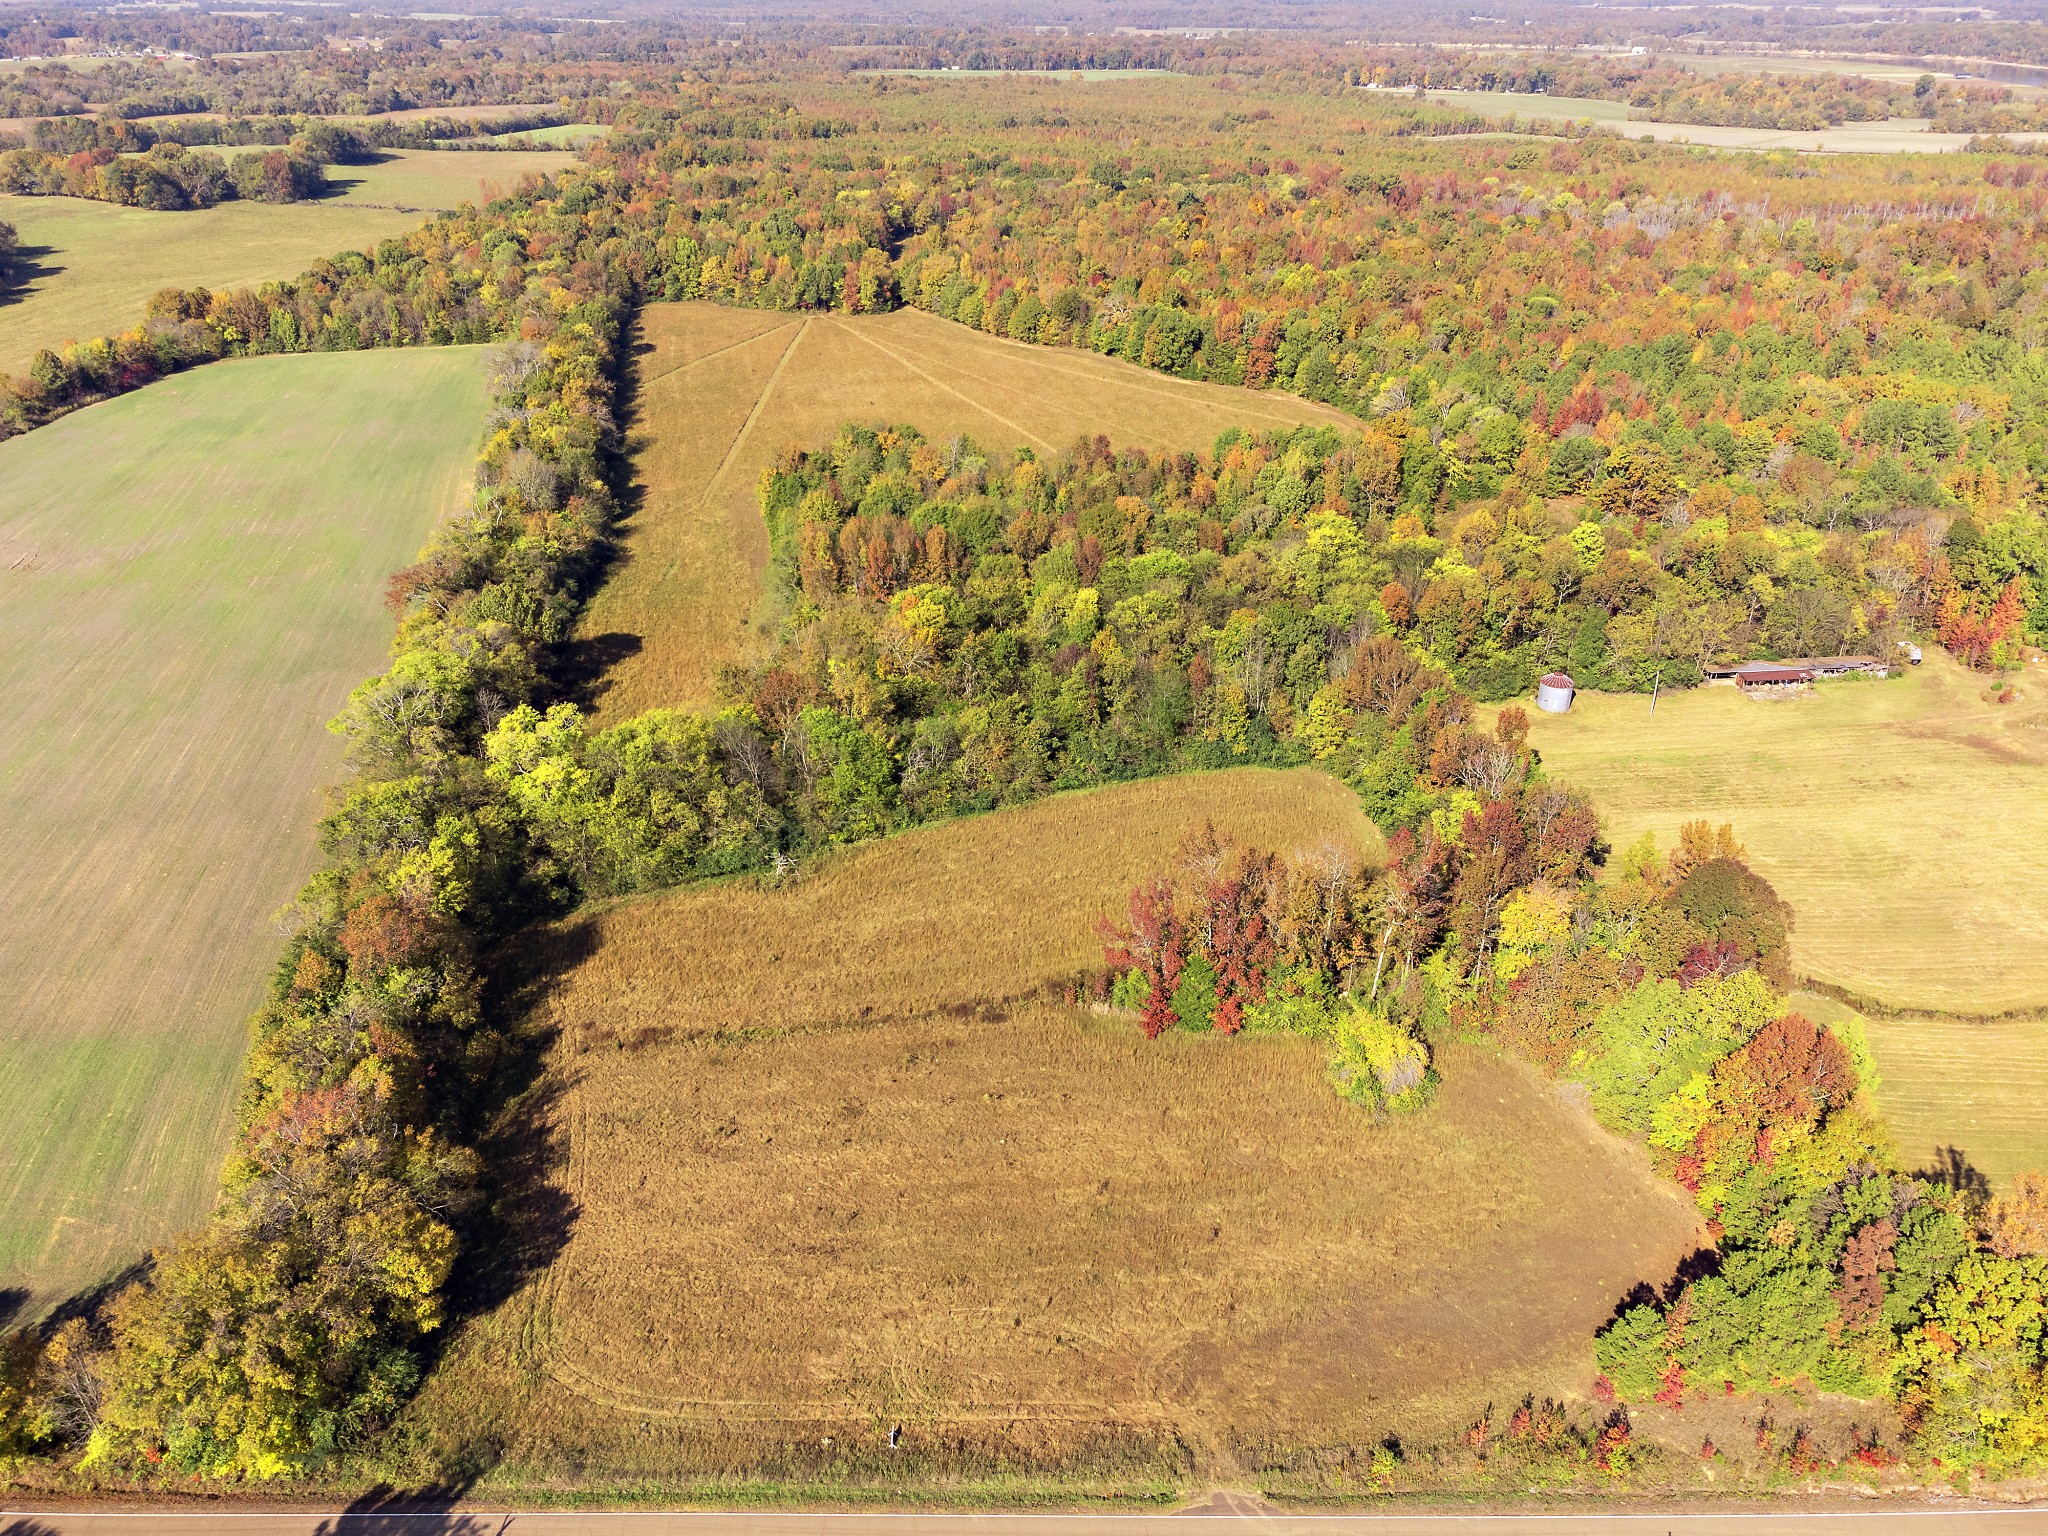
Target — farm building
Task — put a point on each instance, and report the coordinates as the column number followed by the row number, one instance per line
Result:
column 1554, row 693
column 1766, row 680
column 1814, row 666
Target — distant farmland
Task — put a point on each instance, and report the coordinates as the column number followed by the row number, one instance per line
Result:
column 91, row 267
column 872, row 1186
column 189, row 587
column 721, row 392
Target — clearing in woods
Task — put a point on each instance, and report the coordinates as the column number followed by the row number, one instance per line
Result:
column 823, row 1159
column 88, row 268
column 189, row 588
column 433, row 180
column 721, row 392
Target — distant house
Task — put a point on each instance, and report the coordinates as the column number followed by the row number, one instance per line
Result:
column 1793, row 672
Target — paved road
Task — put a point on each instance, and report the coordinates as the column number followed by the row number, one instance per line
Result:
column 1221, row 1515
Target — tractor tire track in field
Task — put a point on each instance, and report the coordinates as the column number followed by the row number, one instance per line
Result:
column 938, row 383
column 747, row 427
column 731, row 346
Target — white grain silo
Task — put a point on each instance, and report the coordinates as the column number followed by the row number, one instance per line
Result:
column 1554, row 693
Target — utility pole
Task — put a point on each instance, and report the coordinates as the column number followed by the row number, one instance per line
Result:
column 1656, row 683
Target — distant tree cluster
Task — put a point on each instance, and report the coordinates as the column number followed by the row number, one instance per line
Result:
column 169, row 176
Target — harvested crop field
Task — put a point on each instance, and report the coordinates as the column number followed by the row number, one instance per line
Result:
column 721, row 392
column 791, row 1214
column 89, row 268
column 1903, row 819
column 189, row 586
column 902, row 926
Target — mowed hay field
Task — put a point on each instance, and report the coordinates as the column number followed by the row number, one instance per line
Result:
column 190, row 582
column 1976, row 1089
column 721, row 392
column 818, row 1168
column 432, row 180
column 1903, row 819
column 89, row 268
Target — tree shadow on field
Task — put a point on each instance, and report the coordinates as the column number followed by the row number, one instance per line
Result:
column 13, row 1299
column 1700, row 1264
column 583, row 668
column 1952, row 1166
column 527, row 1217
column 31, row 265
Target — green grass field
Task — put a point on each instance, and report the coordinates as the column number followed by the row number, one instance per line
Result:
column 1977, row 1088
column 189, row 586
column 566, row 136
column 91, row 267
column 431, row 180
column 1903, row 820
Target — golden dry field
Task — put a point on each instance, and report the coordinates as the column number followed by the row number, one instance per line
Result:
column 816, row 1165
column 1903, row 819
column 876, row 931
column 721, row 392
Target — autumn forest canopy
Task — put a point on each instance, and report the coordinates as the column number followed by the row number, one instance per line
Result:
column 1624, row 411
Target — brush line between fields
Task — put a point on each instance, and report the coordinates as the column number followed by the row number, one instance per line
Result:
column 993, row 415
column 731, row 346
column 747, row 426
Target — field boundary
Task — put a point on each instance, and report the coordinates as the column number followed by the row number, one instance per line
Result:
column 1871, row 1007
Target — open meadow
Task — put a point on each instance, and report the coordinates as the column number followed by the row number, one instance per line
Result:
column 1902, row 819
column 720, row 393
column 823, row 1159
column 189, row 587
column 1944, row 1085
column 1898, row 135
column 433, row 180
column 89, row 268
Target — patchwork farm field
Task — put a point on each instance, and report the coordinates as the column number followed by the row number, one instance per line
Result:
column 1902, row 819
column 91, row 267
column 721, row 392
column 190, row 579
column 823, row 1159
